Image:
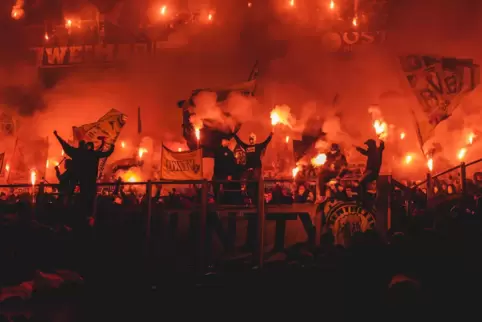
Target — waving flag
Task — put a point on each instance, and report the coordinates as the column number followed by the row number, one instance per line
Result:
column 440, row 84
column 181, row 165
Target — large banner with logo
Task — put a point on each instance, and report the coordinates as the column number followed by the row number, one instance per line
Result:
column 181, row 165
column 440, row 84
column 108, row 126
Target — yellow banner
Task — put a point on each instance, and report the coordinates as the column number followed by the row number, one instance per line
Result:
column 181, row 165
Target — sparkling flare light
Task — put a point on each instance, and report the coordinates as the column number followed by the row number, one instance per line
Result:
column 461, row 154
column 142, row 151
column 210, row 17
column 197, row 132
column 380, row 128
column 408, row 159
column 62, row 153
column 163, row 10
column 319, row 160
column 47, row 164
column 123, row 144
column 332, row 4
column 68, row 24
column 287, row 140
column 402, row 135
column 430, row 164
column 250, row 4
column 33, row 177
column 17, row 10
column 7, row 167
column 470, row 138
column 179, row 150
column 295, row 171
column 46, row 37
column 292, row 3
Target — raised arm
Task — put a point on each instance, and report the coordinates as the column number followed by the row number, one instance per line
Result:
column 68, row 149
column 382, row 145
column 265, row 143
column 241, row 143
column 102, row 144
column 57, row 173
column 362, row 151
column 102, row 154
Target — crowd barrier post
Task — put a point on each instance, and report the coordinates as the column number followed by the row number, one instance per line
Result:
column 149, row 209
column 261, row 224
column 202, row 226
column 429, row 188
column 463, row 177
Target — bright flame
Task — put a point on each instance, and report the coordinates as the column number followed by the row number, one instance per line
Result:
column 408, row 159
column 210, row 17
column 57, row 163
column 197, row 132
column 141, row 152
column 179, row 150
column 163, row 10
column 319, row 160
column 17, row 10
column 281, row 115
column 46, row 36
column 287, row 140
column 430, row 164
column 355, row 21
column 380, row 129
column 295, row 171
column 68, row 23
column 47, row 164
column 62, row 153
column 123, row 144
column 402, row 135
column 7, row 167
column 292, row 3
column 470, row 138
column 33, row 177
column 132, row 178
column 462, row 153
column 332, row 4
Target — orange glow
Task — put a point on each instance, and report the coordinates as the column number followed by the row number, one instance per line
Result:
column 163, row 10
column 123, row 144
column 62, row 153
column 250, row 4
column 287, row 140
column 7, row 167
column 56, row 163
column 281, row 115
column 210, row 17
column 68, row 24
column 179, row 150
column 197, row 132
column 380, row 128
column 131, row 179
column 461, row 154
column 430, row 164
column 46, row 37
column 332, row 4
column 408, row 159
column 402, row 135
column 33, row 177
column 295, row 171
column 355, row 21
column 47, row 164
column 470, row 138
column 142, row 151
column 319, row 160
column 17, row 10
column 292, row 3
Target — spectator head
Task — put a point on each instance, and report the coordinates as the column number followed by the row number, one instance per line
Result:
column 68, row 164
column 335, row 148
column 81, row 144
column 252, row 138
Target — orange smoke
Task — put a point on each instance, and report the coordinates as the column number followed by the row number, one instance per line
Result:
column 281, row 115
column 17, row 10
column 380, row 129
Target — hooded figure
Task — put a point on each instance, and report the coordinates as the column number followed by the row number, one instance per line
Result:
column 334, row 167
column 374, row 163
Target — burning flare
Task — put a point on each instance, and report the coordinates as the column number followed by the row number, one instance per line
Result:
column 17, row 10
column 461, row 154
column 470, row 138
column 402, row 135
column 141, row 152
column 68, row 24
column 7, row 167
column 123, row 144
column 210, row 17
column 163, row 10
column 355, row 21
column 408, row 159
column 46, row 37
column 47, row 164
column 33, row 177
column 430, row 164
column 62, row 153
column 332, row 5
column 179, row 150
column 380, row 129
column 287, row 140
column 281, row 115
column 197, row 132
column 292, row 3
column 319, row 160
column 295, row 171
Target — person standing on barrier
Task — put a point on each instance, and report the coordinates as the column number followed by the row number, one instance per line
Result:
column 86, row 163
column 254, row 153
column 224, row 166
column 335, row 167
column 374, row 163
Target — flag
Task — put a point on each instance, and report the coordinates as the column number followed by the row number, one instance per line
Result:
column 181, row 165
column 108, row 126
column 29, row 154
column 439, row 84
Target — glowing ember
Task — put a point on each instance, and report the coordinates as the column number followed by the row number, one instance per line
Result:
column 132, row 178
column 332, row 4
column 123, row 144
column 295, row 171
column 163, row 10
column 355, row 21
column 197, row 132
column 470, row 138
column 33, row 177
column 287, row 140
column 46, row 36
column 380, row 129
column 402, row 135
column 7, row 167
column 142, row 151
column 430, row 164
column 408, row 159
column 461, row 154
column 319, row 160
